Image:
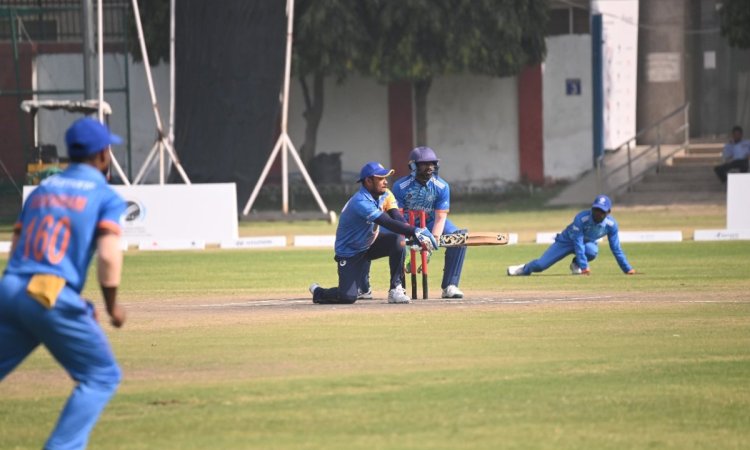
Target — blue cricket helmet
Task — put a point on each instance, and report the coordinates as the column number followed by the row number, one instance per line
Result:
column 422, row 154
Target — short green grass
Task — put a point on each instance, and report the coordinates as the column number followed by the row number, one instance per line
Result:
column 658, row 361
column 665, row 267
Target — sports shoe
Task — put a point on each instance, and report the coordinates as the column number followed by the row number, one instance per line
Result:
column 364, row 295
column 312, row 290
column 398, row 295
column 574, row 269
column 516, row 270
column 452, row 291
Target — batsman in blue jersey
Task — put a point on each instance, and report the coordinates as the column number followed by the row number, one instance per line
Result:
column 359, row 240
column 579, row 239
column 62, row 223
column 424, row 190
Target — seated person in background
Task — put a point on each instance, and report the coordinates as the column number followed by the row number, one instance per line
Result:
column 579, row 239
column 735, row 155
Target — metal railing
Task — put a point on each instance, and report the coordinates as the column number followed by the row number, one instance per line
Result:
column 623, row 176
column 58, row 20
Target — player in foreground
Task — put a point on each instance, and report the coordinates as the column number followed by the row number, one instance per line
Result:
column 579, row 239
column 358, row 240
column 424, row 190
column 66, row 219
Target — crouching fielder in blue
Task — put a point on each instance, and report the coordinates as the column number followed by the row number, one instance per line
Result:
column 62, row 222
column 579, row 239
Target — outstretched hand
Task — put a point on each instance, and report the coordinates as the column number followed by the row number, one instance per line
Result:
column 631, row 272
column 586, row 271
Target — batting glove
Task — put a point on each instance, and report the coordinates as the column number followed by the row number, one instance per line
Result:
column 426, row 238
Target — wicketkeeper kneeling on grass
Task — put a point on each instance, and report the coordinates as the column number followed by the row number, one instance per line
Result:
column 358, row 240
column 579, row 239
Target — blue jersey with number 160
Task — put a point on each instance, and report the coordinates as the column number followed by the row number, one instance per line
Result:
column 59, row 224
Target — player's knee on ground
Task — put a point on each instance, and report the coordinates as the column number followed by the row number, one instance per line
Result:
column 347, row 298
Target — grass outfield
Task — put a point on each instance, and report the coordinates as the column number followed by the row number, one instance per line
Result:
column 223, row 349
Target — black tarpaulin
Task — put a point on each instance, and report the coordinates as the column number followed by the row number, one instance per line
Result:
column 229, row 71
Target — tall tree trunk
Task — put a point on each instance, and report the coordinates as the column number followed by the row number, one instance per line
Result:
column 421, row 88
column 313, row 114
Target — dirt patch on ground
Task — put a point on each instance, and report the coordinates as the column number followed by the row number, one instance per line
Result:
column 292, row 306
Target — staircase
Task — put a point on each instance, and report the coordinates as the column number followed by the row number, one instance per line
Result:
column 687, row 178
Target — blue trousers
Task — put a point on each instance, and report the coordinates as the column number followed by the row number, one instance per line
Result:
column 74, row 339
column 354, row 269
column 454, row 261
column 555, row 253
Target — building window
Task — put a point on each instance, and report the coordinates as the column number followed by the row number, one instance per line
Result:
column 568, row 21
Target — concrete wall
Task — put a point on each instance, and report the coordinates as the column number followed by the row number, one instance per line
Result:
column 473, row 127
column 662, row 78
column 567, row 118
column 472, row 120
column 354, row 123
column 65, row 71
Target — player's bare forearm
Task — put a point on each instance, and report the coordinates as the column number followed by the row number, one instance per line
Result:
column 440, row 217
column 109, row 270
column 109, row 260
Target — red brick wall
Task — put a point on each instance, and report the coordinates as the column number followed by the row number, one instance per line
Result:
column 400, row 126
column 530, row 125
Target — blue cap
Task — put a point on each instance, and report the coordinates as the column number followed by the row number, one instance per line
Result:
column 88, row 136
column 602, row 202
column 373, row 169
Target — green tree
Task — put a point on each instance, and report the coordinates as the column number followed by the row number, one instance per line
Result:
column 418, row 40
column 735, row 22
column 328, row 42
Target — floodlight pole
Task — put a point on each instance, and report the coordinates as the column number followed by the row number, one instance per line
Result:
column 284, row 143
column 162, row 143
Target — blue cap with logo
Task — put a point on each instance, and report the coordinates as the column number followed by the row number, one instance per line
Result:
column 373, row 169
column 88, row 136
column 602, row 202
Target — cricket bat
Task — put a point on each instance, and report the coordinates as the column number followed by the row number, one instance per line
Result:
column 472, row 239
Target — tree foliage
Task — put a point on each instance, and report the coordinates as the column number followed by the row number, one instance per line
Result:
column 418, row 40
column 421, row 39
column 735, row 22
